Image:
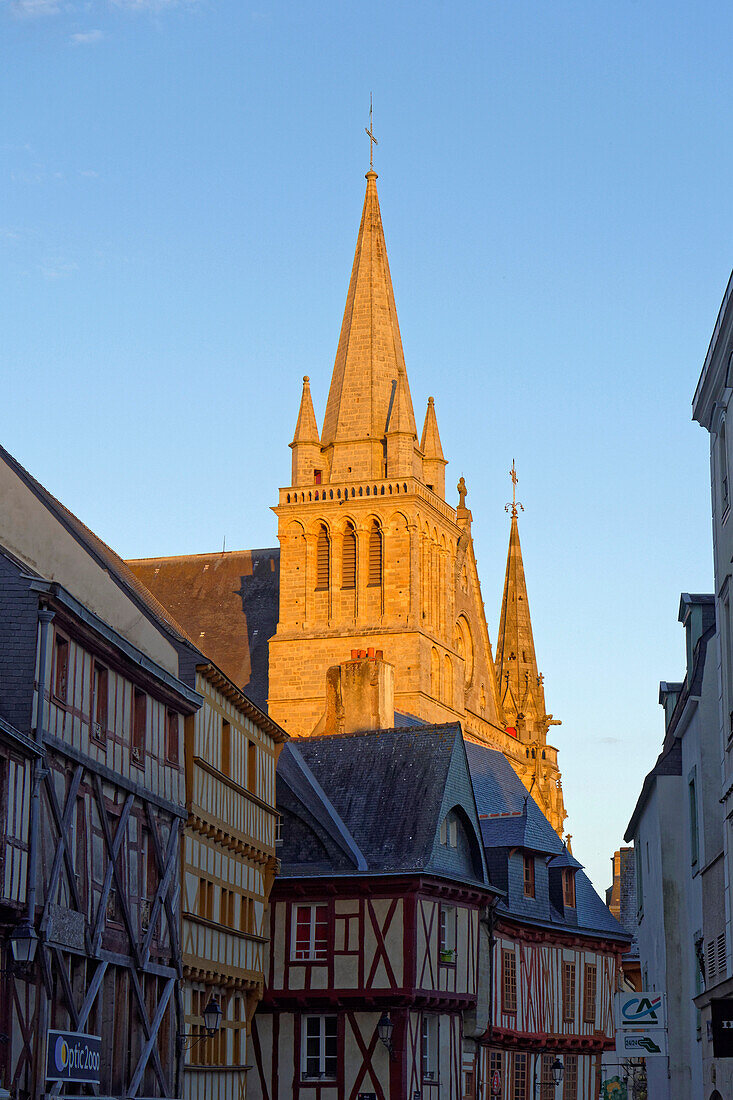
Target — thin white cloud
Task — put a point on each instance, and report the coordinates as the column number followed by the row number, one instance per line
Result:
column 35, row 8
column 86, row 38
column 89, row 173
column 58, row 269
column 149, row 5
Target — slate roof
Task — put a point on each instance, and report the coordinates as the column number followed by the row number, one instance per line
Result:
column 388, row 789
column 228, row 603
column 499, row 791
column 99, row 551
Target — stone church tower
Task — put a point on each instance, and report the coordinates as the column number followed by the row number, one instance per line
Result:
column 374, row 557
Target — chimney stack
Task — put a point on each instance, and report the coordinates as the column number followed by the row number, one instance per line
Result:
column 360, row 694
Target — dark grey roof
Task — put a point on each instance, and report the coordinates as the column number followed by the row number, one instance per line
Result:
column 500, row 791
column 391, row 790
column 293, row 771
column 565, row 859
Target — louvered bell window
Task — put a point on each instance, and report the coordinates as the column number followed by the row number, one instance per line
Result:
column 348, row 564
column 375, row 557
column 322, row 559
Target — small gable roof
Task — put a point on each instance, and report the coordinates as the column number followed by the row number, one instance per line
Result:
column 503, row 801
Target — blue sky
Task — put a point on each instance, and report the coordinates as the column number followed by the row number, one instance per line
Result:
column 181, row 188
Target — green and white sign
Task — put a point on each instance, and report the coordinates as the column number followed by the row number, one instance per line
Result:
column 641, row 1042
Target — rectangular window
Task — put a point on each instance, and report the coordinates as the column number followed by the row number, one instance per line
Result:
column 429, row 1047
column 252, row 767
column 639, row 879
column 447, row 939
column 692, row 802
column 509, row 981
column 320, row 1047
column 226, row 747
column 496, row 1065
column 528, row 875
column 279, row 831
column 206, row 899
column 226, row 915
column 310, row 933
column 245, row 914
column 98, row 703
column 60, row 668
column 568, row 991
column 568, row 887
column 139, row 721
column 547, row 1083
column 590, row 987
column 520, row 1077
column 317, row 477
column 171, row 736
column 570, row 1077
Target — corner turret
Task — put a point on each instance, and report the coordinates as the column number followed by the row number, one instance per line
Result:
column 306, row 446
column 433, row 462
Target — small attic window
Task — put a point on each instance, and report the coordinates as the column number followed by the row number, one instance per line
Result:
column 449, row 832
column 568, row 887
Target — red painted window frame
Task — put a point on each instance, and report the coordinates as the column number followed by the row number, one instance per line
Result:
column 307, row 945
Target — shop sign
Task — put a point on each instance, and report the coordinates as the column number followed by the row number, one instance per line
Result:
column 73, row 1056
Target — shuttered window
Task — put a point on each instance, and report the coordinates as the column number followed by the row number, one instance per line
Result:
column 139, row 723
column 568, row 990
column 509, row 981
column 348, row 562
column 568, row 887
column 528, row 875
column 570, row 1077
column 590, row 983
column 375, row 557
column 323, row 564
column 61, row 668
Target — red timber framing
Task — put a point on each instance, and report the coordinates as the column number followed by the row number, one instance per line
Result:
column 382, row 955
column 107, row 843
column 538, row 1026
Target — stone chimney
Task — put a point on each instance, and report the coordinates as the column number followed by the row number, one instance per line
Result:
column 360, row 694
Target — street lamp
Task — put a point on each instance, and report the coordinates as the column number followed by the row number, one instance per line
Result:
column 558, row 1069
column 23, row 942
column 212, row 1022
column 384, row 1031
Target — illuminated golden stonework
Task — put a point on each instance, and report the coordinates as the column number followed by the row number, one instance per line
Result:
column 373, row 556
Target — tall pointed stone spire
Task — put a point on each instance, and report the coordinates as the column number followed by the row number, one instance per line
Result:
column 520, row 685
column 434, row 463
column 368, row 360
column 306, row 445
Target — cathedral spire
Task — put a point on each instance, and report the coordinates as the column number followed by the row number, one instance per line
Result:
column 368, row 360
column 520, row 685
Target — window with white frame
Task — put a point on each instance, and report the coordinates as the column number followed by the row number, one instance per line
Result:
column 429, row 1047
column 447, row 937
column 320, row 1047
column 310, row 933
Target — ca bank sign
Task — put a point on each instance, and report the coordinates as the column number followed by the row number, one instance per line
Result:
column 642, row 1010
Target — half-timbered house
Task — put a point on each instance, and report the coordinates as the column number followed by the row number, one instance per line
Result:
column 229, row 863
column 93, row 805
column 557, row 950
column 375, row 969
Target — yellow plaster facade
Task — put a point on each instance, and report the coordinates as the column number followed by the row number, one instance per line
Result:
column 372, row 554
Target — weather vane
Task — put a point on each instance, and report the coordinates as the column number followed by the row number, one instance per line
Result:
column 372, row 140
column 514, row 502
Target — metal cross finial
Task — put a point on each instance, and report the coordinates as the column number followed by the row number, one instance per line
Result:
column 514, row 502
column 372, row 140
